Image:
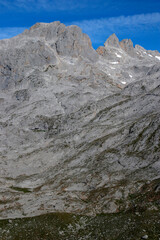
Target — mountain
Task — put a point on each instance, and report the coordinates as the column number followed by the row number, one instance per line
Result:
column 79, row 128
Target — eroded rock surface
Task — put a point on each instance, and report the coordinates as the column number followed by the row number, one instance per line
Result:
column 79, row 128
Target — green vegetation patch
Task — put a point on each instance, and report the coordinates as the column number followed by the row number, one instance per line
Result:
column 19, row 189
column 63, row 226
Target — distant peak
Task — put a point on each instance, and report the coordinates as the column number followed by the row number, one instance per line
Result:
column 42, row 24
column 126, row 42
column 112, row 41
column 138, row 47
column 127, row 46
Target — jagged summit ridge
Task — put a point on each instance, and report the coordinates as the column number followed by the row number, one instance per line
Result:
column 68, row 40
column 125, row 44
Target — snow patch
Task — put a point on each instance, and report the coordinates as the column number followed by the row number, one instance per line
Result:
column 130, row 75
column 123, row 82
column 158, row 57
column 112, row 67
column 119, row 56
column 150, row 55
column 114, row 62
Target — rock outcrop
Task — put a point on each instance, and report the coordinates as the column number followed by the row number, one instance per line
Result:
column 112, row 41
column 79, row 128
column 127, row 46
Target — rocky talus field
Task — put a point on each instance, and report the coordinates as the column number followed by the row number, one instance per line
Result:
column 79, row 137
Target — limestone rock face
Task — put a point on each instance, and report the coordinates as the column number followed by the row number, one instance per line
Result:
column 38, row 48
column 127, row 45
column 79, row 128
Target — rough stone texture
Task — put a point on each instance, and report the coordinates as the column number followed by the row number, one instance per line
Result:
column 127, row 46
column 79, row 130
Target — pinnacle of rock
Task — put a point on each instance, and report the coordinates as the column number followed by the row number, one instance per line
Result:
column 112, row 41
column 127, row 45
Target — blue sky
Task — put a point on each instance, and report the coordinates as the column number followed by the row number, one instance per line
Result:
column 138, row 19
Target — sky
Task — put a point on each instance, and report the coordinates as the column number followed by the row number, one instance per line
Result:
column 138, row 20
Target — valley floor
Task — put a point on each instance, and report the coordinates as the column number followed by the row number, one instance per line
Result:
column 63, row 226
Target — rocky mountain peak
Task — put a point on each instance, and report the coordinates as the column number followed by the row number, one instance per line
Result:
column 112, row 41
column 127, row 46
column 67, row 40
column 41, row 46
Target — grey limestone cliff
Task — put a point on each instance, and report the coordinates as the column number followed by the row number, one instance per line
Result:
column 79, row 128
